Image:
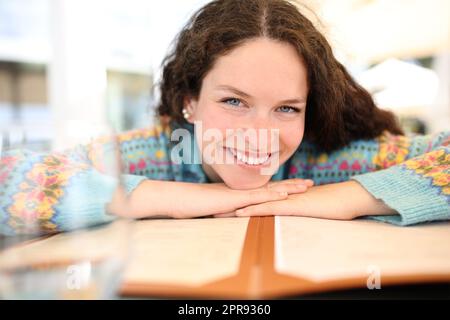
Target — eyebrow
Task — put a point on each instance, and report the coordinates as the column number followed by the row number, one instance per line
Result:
column 246, row 95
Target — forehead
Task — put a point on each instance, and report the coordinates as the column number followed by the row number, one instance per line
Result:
column 260, row 66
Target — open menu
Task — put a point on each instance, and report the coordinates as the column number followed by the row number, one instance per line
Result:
column 269, row 257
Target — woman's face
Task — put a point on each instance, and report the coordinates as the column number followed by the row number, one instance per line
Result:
column 262, row 84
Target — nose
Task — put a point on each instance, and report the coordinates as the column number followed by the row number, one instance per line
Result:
column 260, row 119
column 259, row 132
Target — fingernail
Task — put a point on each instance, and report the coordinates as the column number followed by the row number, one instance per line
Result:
column 283, row 194
column 301, row 186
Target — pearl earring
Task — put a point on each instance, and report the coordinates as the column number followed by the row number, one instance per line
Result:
column 186, row 113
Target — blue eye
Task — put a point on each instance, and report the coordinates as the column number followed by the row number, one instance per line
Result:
column 232, row 101
column 287, row 109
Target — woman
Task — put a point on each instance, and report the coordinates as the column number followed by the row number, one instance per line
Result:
column 241, row 66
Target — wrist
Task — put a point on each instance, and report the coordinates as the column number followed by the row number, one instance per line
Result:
column 343, row 201
column 148, row 199
column 363, row 203
column 334, row 201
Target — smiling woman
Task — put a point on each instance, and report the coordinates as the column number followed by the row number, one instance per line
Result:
column 241, row 67
column 249, row 88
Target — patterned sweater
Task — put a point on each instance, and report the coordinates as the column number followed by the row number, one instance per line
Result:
column 68, row 190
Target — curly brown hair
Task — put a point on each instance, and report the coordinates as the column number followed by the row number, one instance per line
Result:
column 338, row 109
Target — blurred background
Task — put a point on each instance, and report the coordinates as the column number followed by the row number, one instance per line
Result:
column 67, row 65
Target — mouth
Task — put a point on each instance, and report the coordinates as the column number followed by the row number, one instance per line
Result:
column 250, row 159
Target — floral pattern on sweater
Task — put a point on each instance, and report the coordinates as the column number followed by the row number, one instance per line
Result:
column 38, row 187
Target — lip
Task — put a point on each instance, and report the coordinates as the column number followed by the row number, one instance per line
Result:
column 247, row 154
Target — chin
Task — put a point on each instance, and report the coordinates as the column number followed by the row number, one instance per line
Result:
column 243, row 183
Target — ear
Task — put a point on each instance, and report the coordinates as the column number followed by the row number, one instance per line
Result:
column 190, row 104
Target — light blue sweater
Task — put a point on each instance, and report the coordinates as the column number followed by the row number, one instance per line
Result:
column 63, row 191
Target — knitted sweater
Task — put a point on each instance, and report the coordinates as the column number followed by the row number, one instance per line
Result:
column 67, row 190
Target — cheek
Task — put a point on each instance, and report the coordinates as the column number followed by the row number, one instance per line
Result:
column 212, row 118
column 214, row 121
column 291, row 136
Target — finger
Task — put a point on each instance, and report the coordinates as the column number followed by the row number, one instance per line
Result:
column 309, row 182
column 290, row 188
column 293, row 180
column 306, row 182
column 266, row 209
column 225, row 215
column 259, row 196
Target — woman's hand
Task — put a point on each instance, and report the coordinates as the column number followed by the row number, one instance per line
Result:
column 189, row 200
column 339, row 201
column 291, row 186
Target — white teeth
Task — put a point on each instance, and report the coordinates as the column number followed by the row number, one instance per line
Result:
column 249, row 159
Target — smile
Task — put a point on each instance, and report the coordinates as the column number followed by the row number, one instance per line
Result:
column 256, row 159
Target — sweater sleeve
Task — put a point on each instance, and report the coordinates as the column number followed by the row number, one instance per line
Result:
column 412, row 176
column 47, row 193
